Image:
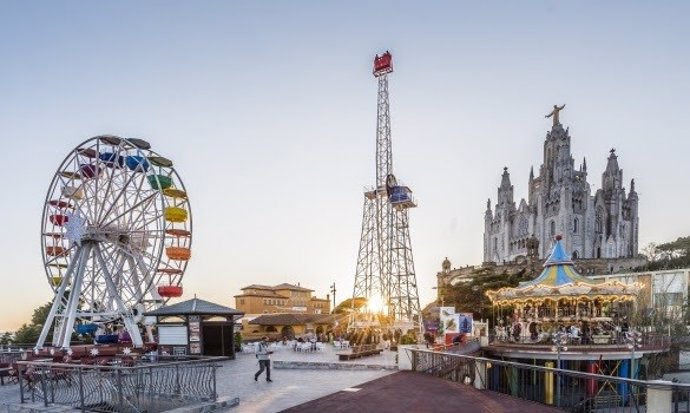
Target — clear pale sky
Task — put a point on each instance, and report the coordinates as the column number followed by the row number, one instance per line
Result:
column 268, row 110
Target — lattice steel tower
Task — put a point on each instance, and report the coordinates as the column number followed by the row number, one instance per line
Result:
column 385, row 268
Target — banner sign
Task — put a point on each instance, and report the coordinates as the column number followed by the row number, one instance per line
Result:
column 465, row 323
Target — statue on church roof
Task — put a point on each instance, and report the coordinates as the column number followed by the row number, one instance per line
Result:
column 554, row 114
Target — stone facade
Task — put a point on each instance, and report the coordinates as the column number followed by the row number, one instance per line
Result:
column 603, row 225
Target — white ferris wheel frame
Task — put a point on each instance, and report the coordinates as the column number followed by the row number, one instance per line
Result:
column 117, row 259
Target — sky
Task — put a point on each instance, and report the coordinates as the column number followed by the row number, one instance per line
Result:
column 268, row 110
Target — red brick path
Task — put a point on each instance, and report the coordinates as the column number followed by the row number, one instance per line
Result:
column 418, row 393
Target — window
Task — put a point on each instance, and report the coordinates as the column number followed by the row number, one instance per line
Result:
column 242, row 301
column 574, row 255
column 495, row 244
column 576, row 225
column 553, row 229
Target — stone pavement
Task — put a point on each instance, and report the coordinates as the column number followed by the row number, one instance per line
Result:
column 296, row 385
column 291, row 386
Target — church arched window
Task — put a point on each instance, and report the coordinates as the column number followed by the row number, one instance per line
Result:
column 495, row 244
column 553, row 229
column 576, row 225
column 575, row 255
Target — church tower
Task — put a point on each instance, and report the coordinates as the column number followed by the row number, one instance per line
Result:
column 559, row 202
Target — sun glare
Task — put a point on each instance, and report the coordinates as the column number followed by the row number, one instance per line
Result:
column 375, row 304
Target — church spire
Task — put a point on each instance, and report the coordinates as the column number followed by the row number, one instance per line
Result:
column 531, row 173
column 505, row 191
column 613, row 176
column 584, row 164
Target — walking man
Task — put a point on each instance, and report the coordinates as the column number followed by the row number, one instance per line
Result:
column 264, row 357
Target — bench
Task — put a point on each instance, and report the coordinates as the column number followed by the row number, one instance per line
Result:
column 360, row 351
column 5, row 371
column 608, row 400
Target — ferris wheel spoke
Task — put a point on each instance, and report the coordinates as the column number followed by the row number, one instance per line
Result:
column 142, row 212
column 149, row 276
column 129, row 178
column 110, row 189
column 148, row 199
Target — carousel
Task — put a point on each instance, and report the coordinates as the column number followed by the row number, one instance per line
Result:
column 564, row 320
column 561, row 300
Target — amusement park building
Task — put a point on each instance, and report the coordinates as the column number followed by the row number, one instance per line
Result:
column 282, row 298
column 600, row 225
column 666, row 289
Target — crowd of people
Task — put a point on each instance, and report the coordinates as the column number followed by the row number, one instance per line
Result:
column 578, row 332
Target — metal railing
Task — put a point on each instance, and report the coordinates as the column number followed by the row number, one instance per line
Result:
column 150, row 388
column 580, row 392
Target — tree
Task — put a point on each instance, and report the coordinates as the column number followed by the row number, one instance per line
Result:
column 6, row 338
column 29, row 333
column 674, row 254
column 677, row 248
column 651, row 252
column 40, row 314
column 470, row 296
column 346, row 305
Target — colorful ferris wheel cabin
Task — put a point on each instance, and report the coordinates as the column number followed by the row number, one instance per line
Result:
column 178, row 253
column 111, row 159
column 175, row 214
column 59, row 219
column 160, row 181
column 169, row 291
column 137, row 163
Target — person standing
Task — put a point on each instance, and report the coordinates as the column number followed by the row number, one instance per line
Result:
column 264, row 356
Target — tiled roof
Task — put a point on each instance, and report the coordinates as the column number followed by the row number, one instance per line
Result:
column 283, row 286
column 194, row 306
column 286, row 286
column 262, row 293
column 291, row 319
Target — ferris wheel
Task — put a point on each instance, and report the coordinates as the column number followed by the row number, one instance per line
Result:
column 116, row 238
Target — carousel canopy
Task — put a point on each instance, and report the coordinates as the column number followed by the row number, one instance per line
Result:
column 559, row 279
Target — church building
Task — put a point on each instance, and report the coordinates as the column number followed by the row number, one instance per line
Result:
column 560, row 202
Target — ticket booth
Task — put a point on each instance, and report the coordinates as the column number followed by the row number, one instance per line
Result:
column 195, row 327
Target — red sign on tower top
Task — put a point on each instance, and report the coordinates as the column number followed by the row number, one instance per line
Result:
column 383, row 64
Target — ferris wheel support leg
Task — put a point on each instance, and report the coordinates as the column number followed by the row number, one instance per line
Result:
column 127, row 316
column 59, row 297
column 65, row 333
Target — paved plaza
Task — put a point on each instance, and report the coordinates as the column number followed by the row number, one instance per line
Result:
column 290, row 387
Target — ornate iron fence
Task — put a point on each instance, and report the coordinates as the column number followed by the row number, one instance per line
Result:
column 570, row 390
column 150, row 388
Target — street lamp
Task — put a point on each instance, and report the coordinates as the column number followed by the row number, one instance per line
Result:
column 333, row 291
column 560, row 341
column 633, row 340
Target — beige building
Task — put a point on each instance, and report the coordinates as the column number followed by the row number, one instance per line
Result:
column 282, row 298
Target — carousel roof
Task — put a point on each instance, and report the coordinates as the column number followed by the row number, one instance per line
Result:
column 558, row 270
column 559, row 279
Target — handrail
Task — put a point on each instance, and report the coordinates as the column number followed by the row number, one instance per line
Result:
column 561, row 388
